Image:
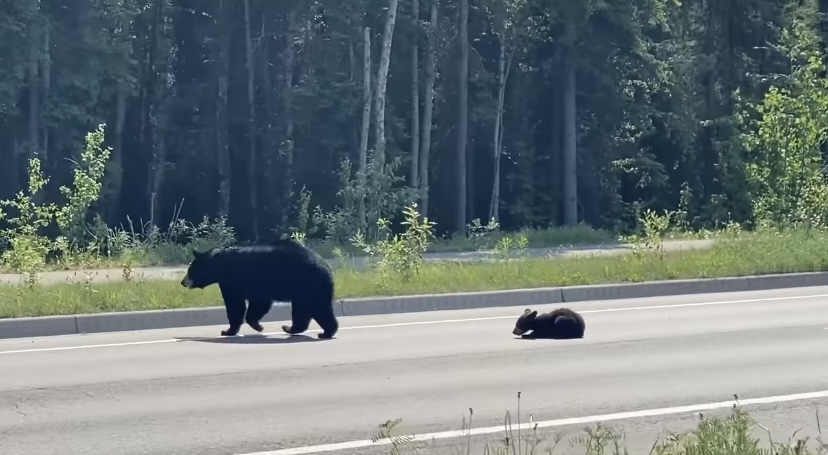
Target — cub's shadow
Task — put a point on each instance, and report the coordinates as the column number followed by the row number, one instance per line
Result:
column 252, row 339
column 545, row 339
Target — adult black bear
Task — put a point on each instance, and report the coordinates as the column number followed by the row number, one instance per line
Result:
column 560, row 323
column 285, row 271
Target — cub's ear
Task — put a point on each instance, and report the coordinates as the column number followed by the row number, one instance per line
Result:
column 533, row 314
column 197, row 254
column 527, row 311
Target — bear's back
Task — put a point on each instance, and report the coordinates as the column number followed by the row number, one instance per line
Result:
column 283, row 266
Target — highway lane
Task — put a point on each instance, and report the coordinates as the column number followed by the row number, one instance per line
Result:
column 95, row 394
column 176, row 272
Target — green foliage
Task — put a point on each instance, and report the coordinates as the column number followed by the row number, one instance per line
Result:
column 658, row 90
column 298, row 237
column 785, row 166
column 398, row 255
column 83, row 243
column 654, row 102
column 85, row 190
column 380, row 192
column 505, row 246
column 479, row 233
column 655, row 227
column 152, row 246
column 28, row 249
column 305, row 224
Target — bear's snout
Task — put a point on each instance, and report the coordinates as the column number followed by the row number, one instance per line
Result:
column 517, row 331
column 187, row 282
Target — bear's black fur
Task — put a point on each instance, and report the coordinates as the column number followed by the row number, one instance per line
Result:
column 285, row 271
column 560, row 324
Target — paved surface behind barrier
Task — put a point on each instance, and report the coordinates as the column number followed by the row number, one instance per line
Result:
column 177, row 272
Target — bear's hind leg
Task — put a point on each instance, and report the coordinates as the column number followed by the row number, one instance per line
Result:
column 235, row 307
column 256, row 310
column 567, row 328
column 300, row 318
column 326, row 319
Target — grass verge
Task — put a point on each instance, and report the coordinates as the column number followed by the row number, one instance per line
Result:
column 159, row 251
column 746, row 254
column 733, row 434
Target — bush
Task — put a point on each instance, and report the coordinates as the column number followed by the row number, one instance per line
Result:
column 400, row 255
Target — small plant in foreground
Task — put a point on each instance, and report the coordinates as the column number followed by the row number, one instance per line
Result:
column 385, row 432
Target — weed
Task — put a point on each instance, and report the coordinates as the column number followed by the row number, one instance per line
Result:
column 729, row 435
column 400, row 255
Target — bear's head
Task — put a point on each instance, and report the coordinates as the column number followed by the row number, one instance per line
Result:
column 525, row 322
column 200, row 273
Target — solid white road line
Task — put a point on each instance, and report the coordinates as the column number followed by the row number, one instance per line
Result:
column 442, row 321
column 552, row 423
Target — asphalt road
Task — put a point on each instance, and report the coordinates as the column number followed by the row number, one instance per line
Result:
column 152, row 393
column 176, row 272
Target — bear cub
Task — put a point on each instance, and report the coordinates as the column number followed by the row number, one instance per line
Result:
column 559, row 324
column 285, row 271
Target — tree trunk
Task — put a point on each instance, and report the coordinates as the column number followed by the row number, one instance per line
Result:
column 115, row 168
column 252, row 175
column 570, row 166
column 382, row 82
column 222, row 149
column 504, row 65
column 415, row 99
column 366, row 123
column 160, row 66
column 287, row 108
column 34, row 104
column 46, row 80
column 554, row 184
column 270, row 179
column 428, row 106
column 114, row 178
column 462, row 128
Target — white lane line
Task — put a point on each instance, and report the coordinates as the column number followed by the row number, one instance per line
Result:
column 441, row 321
column 350, row 445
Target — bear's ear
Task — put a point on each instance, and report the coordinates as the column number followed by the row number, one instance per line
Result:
column 527, row 311
column 197, row 254
column 533, row 314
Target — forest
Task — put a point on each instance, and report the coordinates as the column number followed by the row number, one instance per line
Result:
column 325, row 116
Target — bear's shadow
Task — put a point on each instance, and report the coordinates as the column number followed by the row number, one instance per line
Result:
column 252, row 339
column 544, row 339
